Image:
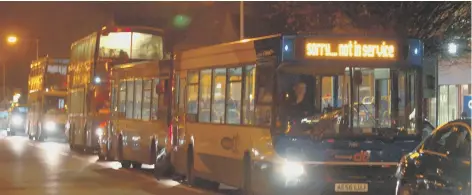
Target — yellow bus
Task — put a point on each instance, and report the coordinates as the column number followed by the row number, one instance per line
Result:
column 47, row 99
column 238, row 118
column 139, row 122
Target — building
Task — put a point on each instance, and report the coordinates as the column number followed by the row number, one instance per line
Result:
column 455, row 88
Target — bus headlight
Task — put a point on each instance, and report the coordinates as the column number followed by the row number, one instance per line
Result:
column 292, row 170
column 50, row 125
column 17, row 120
column 99, row 131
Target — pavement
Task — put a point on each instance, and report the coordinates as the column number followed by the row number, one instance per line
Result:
column 50, row 168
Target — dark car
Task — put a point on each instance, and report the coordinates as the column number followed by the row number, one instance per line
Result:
column 440, row 164
column 16, row 122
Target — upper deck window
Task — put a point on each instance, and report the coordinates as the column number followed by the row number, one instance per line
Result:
column 131, row 45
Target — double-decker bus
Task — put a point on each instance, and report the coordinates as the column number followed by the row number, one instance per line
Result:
column 308, row 112
column 140, row 119
column 92, row 58
column 47, row 92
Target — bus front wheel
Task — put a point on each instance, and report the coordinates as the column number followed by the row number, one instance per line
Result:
column 247, row 175
column 192, row 180
column 162, row 165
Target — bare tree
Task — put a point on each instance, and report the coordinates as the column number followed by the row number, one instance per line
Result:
column 433, row 22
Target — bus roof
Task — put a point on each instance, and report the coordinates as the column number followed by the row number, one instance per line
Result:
column 142, row 69
column 119, row 28
column 237, row 52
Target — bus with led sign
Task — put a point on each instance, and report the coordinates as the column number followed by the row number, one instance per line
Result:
column 92, row 58
column 296, row 123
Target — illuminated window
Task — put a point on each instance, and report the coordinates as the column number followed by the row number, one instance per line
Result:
column 138, row 92
column 205, row 96
column 122, row 98
column 129, row 99
column 163, row 105
column 146, row 46
column 155, row 100
column 248, row 99
column 147, row 99
column 182, row 97
column 233, row 102
column 192, row 93
column 131, row 45
column 115, row 44
column 263, row 101
column 219, row 90
column 113, row 96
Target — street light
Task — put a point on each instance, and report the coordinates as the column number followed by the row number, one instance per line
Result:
column 12, row 39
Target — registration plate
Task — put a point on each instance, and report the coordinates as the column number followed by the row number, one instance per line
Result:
column 351, row 187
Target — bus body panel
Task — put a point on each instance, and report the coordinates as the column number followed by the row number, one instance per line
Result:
column 219, row 149
column 138, row 138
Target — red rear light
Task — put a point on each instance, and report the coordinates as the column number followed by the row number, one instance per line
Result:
column 170, row 136
column 102, row 124
column 330, row 140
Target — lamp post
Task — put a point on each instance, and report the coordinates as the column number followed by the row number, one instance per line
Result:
column 241, row 20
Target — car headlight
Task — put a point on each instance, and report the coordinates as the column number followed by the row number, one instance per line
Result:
column 50, row 125
column 99, row 131
column 292, row 170
column 17, row 120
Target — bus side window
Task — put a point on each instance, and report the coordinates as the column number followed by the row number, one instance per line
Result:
column 248, row 95
column 122, row 99
column 155, row 100
column 182, row 95
column 147, row 100
column 192, row 95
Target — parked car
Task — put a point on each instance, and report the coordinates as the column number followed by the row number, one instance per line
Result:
column 440, row 164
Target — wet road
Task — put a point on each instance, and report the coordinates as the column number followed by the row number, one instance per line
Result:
column 34, row 168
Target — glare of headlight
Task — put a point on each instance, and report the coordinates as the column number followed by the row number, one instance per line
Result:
column 17, row 120
column 98, row 80
column 292, row 170
column 452, row 48
column 50, row 125
column 99, row 131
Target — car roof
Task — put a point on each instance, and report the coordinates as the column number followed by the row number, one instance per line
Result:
column 463, row 120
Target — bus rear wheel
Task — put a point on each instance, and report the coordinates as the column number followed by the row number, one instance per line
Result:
column 125, row 164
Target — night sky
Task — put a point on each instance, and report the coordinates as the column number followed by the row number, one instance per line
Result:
column 56, row 24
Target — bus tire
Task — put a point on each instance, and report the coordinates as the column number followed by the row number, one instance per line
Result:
column 247, row 175
column 192, row 180
column 39, row 134
column 136, row 165
column 189, row 172
column 124, row 163
column 162, row 165
column 71, row 139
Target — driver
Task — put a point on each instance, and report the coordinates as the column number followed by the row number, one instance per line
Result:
column 298, row 106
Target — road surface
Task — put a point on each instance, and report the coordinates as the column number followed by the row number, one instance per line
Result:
column 49, row 168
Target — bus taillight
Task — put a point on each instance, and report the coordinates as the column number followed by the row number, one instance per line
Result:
column 170, row 136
